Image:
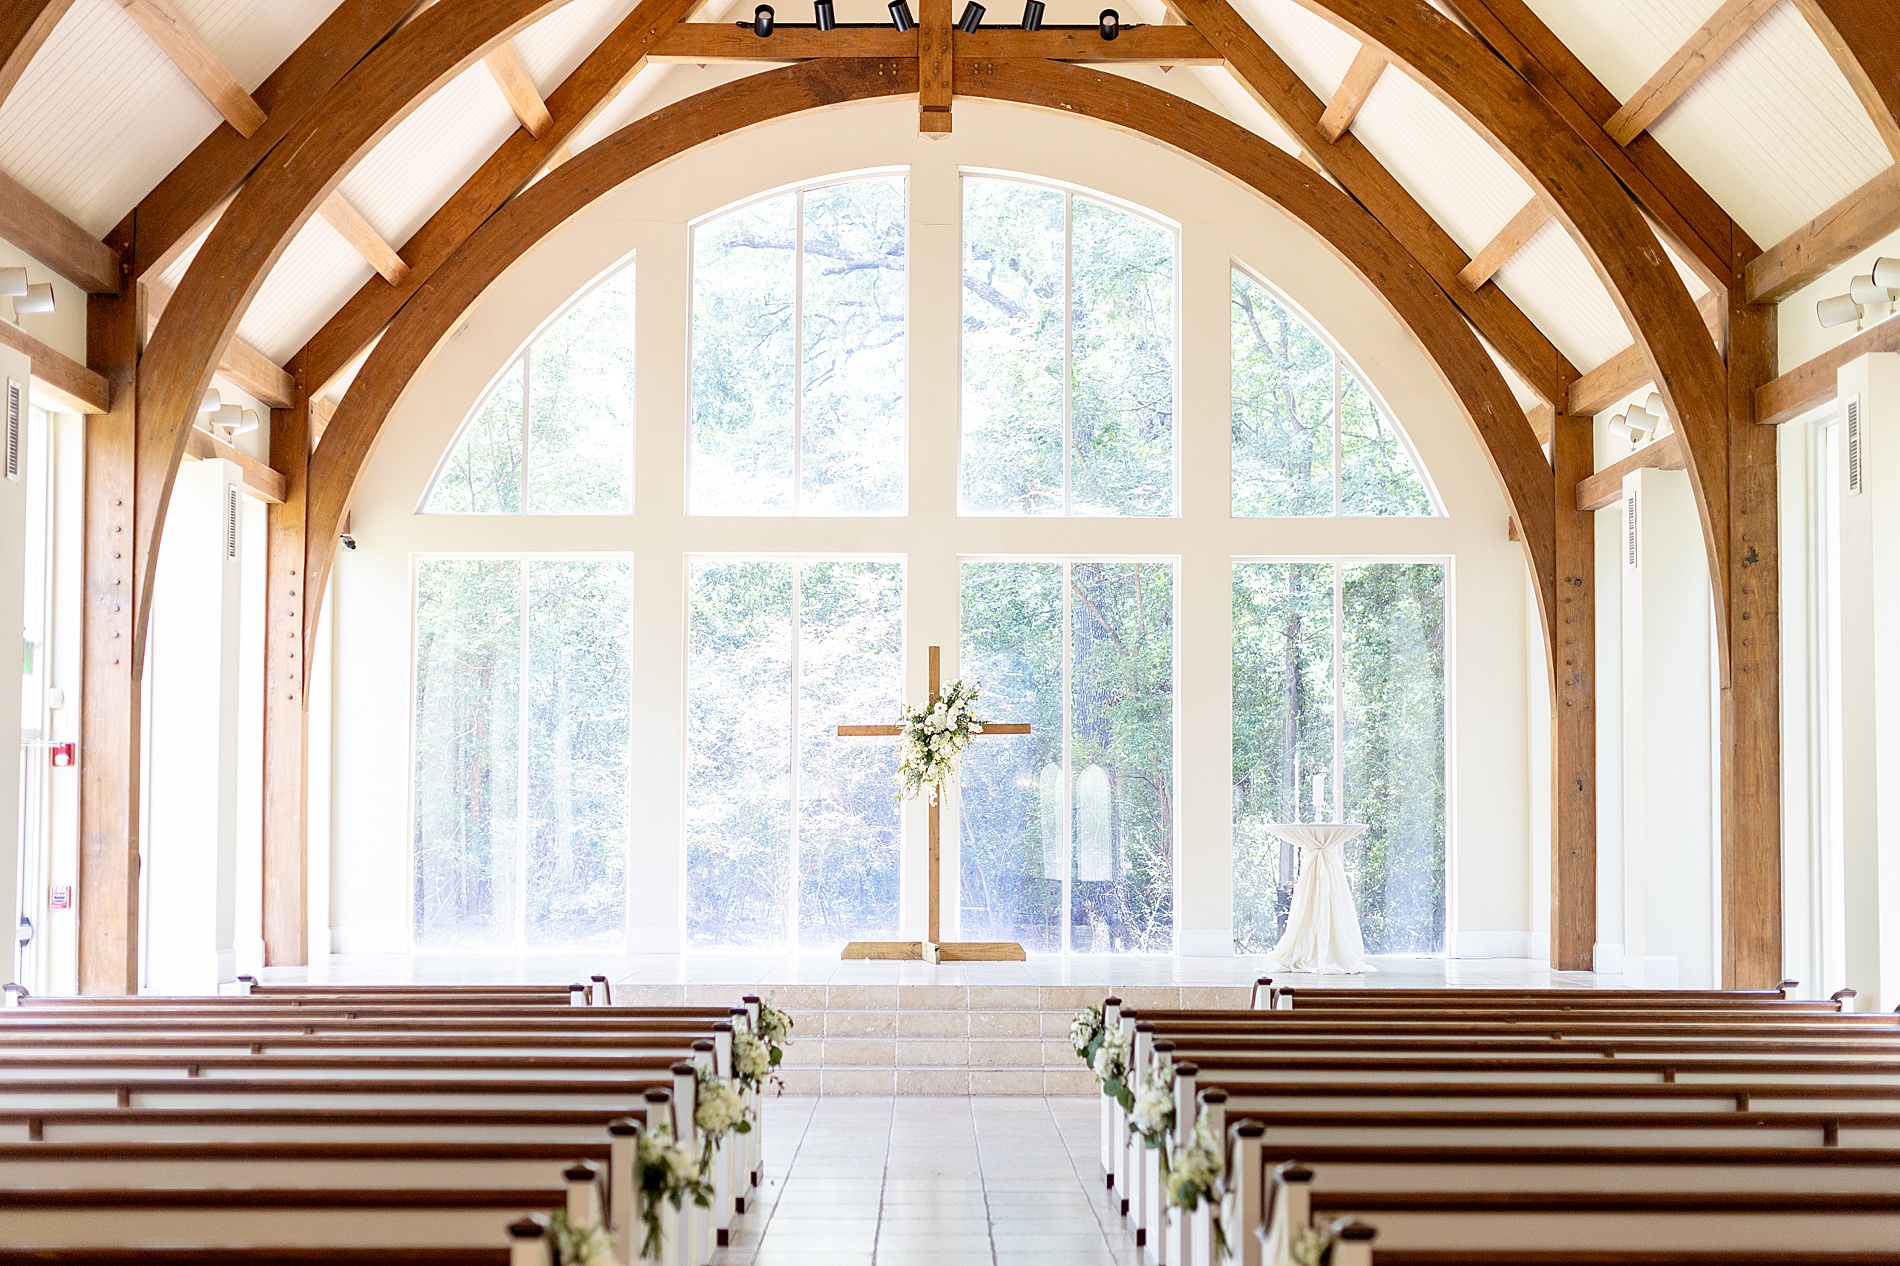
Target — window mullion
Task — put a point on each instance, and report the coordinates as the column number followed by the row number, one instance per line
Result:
column 1068, row 359
column 798, row 353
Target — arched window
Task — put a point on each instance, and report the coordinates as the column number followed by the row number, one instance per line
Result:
column 1308, row 438
column 1068, row 354
column 799, row 378
column 555, row 433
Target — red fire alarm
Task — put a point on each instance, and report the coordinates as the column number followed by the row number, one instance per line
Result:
column 61, row 897
column 65, row 755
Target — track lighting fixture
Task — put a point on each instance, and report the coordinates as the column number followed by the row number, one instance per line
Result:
column 1866, row 290
column 824, row 14
column 762, row 21
column 1887, row 272
column 211, row 402
column 901, row 16
column 1032, row 15
column 972, row 19
column 37, row 300
column 1110, row 24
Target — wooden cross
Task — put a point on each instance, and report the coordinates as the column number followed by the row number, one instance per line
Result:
column 934, row 950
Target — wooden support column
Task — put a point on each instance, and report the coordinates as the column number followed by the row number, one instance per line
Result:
column 286, row 714
column 1751, row 696
column 1573, row 716
column 110, row 695
column 935, row 67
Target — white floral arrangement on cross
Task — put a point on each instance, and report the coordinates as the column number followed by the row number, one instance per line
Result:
column 1107, row 1051
column 1153, row 1114
column 718, row 1110
column 931, row 739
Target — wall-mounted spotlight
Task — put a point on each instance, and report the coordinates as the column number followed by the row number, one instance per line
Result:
column 1032, row 15
column 211, row 402
column 972, row 18
column 762, row 21
column 900, row 15
column 29, row 299
column 1838, row 310
column 824, row 14
column 1637, row 423
column 346, row 541
column 1110, row 24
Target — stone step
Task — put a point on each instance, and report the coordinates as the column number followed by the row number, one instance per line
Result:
column 936, row 1039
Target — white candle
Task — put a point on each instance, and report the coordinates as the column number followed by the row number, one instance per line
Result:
column 1319, row 797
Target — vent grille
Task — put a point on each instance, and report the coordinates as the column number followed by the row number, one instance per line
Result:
column 14, row 409
column 1853, row 445
column 230, row 521
column 1629, row 529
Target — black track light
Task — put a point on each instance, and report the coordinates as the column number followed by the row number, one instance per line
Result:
column 1111, row 24
column 972, row 18
column 1032, row 15
column 900, row 15
column 824, row 14
column 762, row 21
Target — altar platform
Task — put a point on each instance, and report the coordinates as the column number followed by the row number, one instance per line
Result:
column 870, row 1027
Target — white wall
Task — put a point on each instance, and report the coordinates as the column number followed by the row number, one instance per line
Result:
column 1490, row 880
column 191, row 679
column 14, row 368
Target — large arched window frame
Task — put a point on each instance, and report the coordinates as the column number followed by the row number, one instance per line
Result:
column 1174, row 570
column 563, row 445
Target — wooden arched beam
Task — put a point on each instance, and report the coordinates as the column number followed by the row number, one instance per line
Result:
column 283, row 193
column 24, row 26
column 1592, row 205
column 412, row 338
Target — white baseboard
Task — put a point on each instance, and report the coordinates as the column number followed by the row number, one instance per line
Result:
column 1488, row 945
column 1204, row 943
column 1606, row 958
column 654, row 941
column 1653, row 971
column 369, row 939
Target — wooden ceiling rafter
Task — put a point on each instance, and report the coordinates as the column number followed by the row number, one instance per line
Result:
column 1353, row 91
column 252, row 234
column 1684, row 67
column 1704, row 234
column 242, row 365
column 188, row 51
column 44, row 232
column 1629, row 370
column 363, row 237
column 1330, row 212
column 1529, row 132
column 1512, row 238
column 1812, row 383
column 71, row 384
column 196, row 191
column 580, row 97
column 1860, row 220
column 518, row 86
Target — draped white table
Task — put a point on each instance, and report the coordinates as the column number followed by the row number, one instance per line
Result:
column 1322, row 925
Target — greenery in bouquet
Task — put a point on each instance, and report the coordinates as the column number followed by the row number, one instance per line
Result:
column 580, row 1245
column 1153, row 1114
column 668, row 1170
column 1110, row 1064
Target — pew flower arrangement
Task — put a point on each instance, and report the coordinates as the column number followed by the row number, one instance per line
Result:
column 932, row 737
column 580, row 1245
column 757, row 1055
column 1313, row 1247
column 1195, row 1173
column 668, row 1171
column 1153, row 1114
column 1110, row 1066
column 718, row 1110
column 1085, row 1033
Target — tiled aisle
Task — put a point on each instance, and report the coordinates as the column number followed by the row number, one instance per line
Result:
column 935, row 1181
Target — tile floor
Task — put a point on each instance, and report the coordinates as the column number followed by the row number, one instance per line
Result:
column 931, row 1182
